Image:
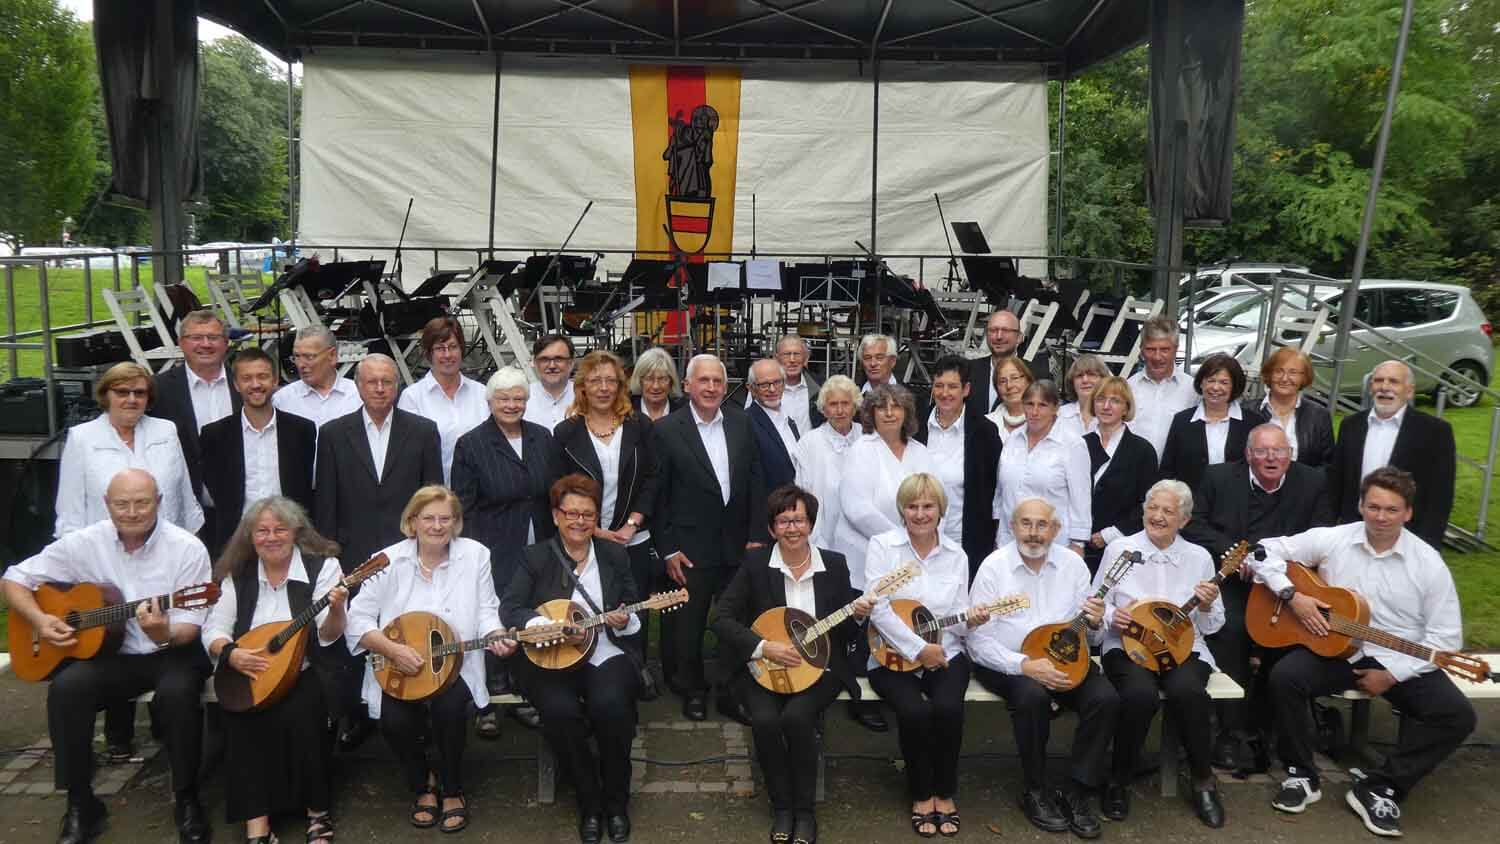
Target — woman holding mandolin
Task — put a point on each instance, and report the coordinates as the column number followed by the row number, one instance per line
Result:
column 795, row 575
column 433, row 571
column 274, row 567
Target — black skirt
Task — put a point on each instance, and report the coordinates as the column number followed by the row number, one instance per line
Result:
column 278, row 759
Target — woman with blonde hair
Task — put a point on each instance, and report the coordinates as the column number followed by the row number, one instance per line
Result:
column 1122, row 465
column 1012, row 378
column 1286, row 374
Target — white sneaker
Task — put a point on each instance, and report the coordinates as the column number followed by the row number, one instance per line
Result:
column 1297, row 793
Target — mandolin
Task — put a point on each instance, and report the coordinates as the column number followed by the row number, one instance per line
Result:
column 279, row 643
column 564, row 655
column 796, row 628
column 97, row 612
column 1348, row 619
column 1065, row 644
column 442, row 652
column 1160, row 636
column 921, row 621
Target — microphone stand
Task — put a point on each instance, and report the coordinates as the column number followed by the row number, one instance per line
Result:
column 952, row 258
column 552, row 265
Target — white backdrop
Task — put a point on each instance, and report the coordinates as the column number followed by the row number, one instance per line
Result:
column 379, row 128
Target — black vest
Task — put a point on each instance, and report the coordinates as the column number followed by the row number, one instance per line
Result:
column 298, row 596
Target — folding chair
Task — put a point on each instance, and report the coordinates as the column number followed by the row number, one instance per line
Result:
column 1131, row 310
column 302, row 313
column 124, row 303
column 1038, row 319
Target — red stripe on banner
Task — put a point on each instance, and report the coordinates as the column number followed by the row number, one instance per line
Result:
column 687, row 89
column 693, row 225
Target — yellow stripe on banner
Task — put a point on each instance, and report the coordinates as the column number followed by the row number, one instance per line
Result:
column 649, row 127
column 723, row 87
column 691, row 209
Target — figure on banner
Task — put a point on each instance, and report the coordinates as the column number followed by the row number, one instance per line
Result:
column 690, row 153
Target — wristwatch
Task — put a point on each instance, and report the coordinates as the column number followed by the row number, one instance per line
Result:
column 633, row 522
column 1287, row 593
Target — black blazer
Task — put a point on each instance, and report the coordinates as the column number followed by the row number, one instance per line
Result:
column 1121, row 490
column 224, row 468
column 981, row 472
column 637, row 475
column 757, row 587
column 1185, row 455
column 691, row 516
column 502, row 494
column 1314, row 431
column 175, row 403
column 775, row 461
column 353, row 508
column 1424, row 447
column 540, row 577
column 1221, row 506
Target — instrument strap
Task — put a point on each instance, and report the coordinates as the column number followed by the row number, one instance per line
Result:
column 571, row 579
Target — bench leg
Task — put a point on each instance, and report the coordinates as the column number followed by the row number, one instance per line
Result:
column 1359, row 729
column 820, row 789
column 1168, row 753
column 546, row 772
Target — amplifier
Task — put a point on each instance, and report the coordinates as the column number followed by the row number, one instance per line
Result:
column 101, row 345
column 23, row 405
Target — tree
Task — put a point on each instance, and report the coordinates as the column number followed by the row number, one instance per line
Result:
column 242, row 144
column 46, row 140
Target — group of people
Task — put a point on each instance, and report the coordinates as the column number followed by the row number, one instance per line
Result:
column 600, row 485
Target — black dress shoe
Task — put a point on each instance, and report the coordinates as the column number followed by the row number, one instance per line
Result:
column 731, row 709
column 1074, row 805
column 591, row 829
column 806, row 828
column 526, row 715
column 618, row 827
column 695, row 708
column 649, row 689
column 1207, row 807
column 83, row 820
column 1038, row 808
column 353, row 732
column 1226, row 753
column 867, row 714
column 1115, row 803
column 783, row 824
column 192, row 822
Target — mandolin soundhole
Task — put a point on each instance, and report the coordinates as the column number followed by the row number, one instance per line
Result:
column 1063, row 646
column 808, row 650
column 434, row 641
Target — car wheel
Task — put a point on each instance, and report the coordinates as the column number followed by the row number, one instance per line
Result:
column 1461, row 397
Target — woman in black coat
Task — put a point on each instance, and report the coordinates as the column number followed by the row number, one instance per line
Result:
column 1216, row 430
column 1286, row 373
column 1122, row 465
column 785, row 725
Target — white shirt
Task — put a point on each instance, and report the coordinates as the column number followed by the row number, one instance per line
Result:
column 272, row 603
column 867, row 496
column 1287, row 424
column 1380, row 441
column 262, row 461
column 782, row 423
column 1056, row 592
column 820, row 471
column 94, row 453
column 171, row 559
column 946, row 449
column 1217, row 433
column 1156, row 402
column 800, row 594
column 462, row 593
column 1057, row 470
column 300, row 399
column 1162, row 575
column 609, row 466
column 454, row 417
column 545, row 410
column 712, row 434
column 942, row 586
column 211, row 401
column 1409, row 588
column 588, row 581
column 1070, row 417
column 379, row 438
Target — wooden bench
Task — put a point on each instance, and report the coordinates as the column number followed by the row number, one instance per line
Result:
column 1359, row 705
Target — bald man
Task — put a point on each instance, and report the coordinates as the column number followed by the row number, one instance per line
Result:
column 141, row 556
column 1002, row 334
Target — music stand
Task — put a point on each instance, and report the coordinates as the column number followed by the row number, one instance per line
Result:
column 970, row 238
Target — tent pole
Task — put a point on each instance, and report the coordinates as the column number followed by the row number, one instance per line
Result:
column 291, row 161
column 1062, row 136
column 875, row 180
column 494, row 152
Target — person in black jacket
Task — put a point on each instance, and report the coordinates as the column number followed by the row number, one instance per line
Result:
column 197, row 393
column 1002, row 336
column 775, row 432
column 1123, row 466
column 598, row 698
column 1215, row 430
column 964, row 448
column 1309, row 428
column 792, row 574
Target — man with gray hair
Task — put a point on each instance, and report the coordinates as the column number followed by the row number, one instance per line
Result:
column 776, row 433
column 799, row 395
column 319, row 394
column 1161, row 388
column 877, row 357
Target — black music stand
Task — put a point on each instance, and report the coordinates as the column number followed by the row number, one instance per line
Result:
column 970, row 238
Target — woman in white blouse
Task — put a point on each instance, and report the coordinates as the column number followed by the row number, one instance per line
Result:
column 874, row 469
column 123, row 437
column 1012, row 377
column 1041, row 460
column 821, row 453
column 452, row 401
column 436, row 571
column 929, row 702
column 272, row 569
column 1083, row 376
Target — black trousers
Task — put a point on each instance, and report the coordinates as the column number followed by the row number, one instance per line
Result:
column 1097, row 706
column 402, row 723
column 279, row 756
column 602, row 697
column 704, row 586
column 1435, row 716
column 81, row 688
column 786, row 737
column 929, row 723
column 1186, row 690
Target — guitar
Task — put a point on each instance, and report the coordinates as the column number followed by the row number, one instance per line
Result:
column 1160, row 636
column 563, row 655
column 280, row 644
column 921, row 621
column 1065, row 643
column 796, row 628
column 97, row 612
column 442, row 652
column 1348, row 618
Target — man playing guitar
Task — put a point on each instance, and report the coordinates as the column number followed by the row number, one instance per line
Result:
column 1410, row 593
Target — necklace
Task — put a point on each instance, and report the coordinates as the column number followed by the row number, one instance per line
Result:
column 603, row 435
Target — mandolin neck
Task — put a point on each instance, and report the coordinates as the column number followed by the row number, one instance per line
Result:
column 824, row 625
column 1193, row 603
column 592, row 621
column 302, row 619
column 467, row 645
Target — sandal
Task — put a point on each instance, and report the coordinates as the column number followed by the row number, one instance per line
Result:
column 487, row 725
column 947, row 819
column 461, row 813
column 919, row 820
column 320, row 828
column 268, row 838
column 424, row 816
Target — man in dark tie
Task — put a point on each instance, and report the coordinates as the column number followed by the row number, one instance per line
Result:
column 776, row 432
column 1002, row 334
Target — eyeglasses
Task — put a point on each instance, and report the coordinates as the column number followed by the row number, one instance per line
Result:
column 126, row 392
column 431, row 519
column 203, row 338
column 1286, row 373
column 449, row 346
column 601, row 381
column 1006, row 380
column 1270, row 452
column 656, row 379
column 791, row 522
column 578, row 515
column 777, row 382
column 874, row 359
column 552, row 360
column 267, row 533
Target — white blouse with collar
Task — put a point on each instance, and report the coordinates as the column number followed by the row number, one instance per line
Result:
column 94, row 453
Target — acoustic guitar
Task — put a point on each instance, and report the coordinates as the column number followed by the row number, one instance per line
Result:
column 1348, row 618
column 1065, row 644
column 442, row 652
column 564, row 655
column 97, row 612
column 796, row 628
column 281, row 644
column 1160, row 635
column 921, row 621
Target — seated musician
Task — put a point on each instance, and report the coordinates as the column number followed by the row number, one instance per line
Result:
column 792, row 573
column 1057, row 582
column 141, row 556
column 434, row 570
column 1410, row 594
column 273, row 567
column 599, row 696
column 1174, row 570
column 929, row 702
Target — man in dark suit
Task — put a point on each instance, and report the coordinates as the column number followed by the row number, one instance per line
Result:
column 1396, row 434
column 257, row 452
column 1002, row 334
column 1274, row 496
column 370, row 463
column 776, row 433
column 711, row 510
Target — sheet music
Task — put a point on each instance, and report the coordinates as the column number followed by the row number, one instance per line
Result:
column 763, row 275
column 723, row 275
